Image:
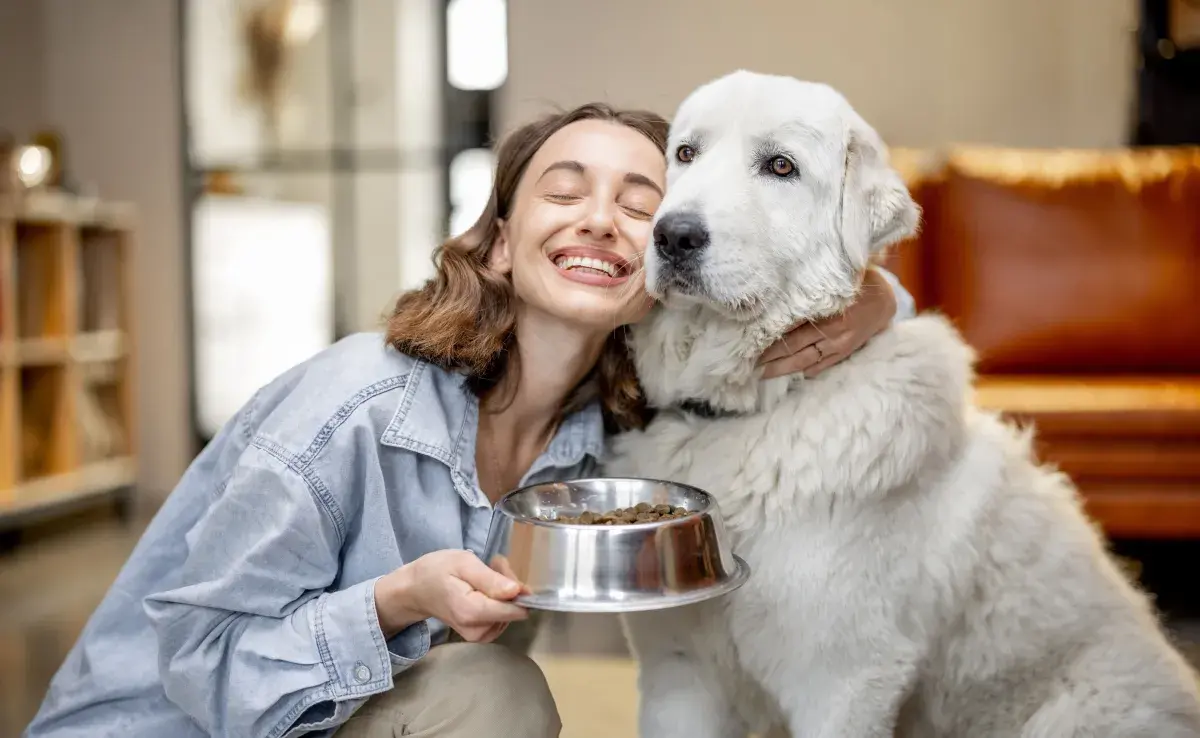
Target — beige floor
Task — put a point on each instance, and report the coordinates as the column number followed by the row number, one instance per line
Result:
column 596, row 695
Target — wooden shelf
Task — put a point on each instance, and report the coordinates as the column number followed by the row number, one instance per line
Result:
column 83, row 348
column 67, row 428
column 85, row 481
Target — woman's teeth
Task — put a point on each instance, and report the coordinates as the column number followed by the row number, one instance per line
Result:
column 584, row 262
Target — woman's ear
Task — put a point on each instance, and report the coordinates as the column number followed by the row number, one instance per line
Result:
column 500, row 257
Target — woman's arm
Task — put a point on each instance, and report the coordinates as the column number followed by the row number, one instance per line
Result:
column 813, row 347
column 251, row 639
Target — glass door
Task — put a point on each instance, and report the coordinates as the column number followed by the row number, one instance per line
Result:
column 330, row 145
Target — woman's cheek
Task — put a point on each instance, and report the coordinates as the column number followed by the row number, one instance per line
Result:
column 639, row 307
column 639, row 236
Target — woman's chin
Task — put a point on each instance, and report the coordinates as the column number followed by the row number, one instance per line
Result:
column 592, row 309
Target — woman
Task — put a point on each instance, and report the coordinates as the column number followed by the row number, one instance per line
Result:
column 328, row 536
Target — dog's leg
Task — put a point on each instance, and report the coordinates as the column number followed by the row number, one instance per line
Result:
column 677, row 701
column 850, row 703
column 1088, row 711
column 679, row 696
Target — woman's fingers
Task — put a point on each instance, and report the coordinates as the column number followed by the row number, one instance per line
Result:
column 482, row 598
column 500, row 563
column 821, row 366
column 482, row 634
column 792, row 343
column 486, row 579
column 476, row 608
column 798, row 362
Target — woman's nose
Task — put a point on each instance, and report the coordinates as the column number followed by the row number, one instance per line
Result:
column 600, row 222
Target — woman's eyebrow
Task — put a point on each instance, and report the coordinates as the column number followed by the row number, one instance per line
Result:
column 566, row 164
column 641, row 179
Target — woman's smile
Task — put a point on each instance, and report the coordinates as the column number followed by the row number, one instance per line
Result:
column 592, row 266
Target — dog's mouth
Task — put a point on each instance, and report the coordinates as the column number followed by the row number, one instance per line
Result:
column 675, row 284
column 742, row 309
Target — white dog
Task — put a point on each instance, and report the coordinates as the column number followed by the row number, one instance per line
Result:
column 915, row 572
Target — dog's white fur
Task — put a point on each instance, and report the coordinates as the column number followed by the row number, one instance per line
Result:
column 915, row 572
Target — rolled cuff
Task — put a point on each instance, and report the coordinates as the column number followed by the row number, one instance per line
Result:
column 906, row 306
column 351, row 643
column 359, row 660
column 409, row 646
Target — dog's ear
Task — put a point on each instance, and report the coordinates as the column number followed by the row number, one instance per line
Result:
column 877, row 209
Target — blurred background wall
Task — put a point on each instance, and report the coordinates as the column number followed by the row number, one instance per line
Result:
column 926, row 72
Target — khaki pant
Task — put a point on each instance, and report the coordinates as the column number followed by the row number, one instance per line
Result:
column 462, row 690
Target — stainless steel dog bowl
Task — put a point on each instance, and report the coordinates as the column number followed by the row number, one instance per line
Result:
column 612, row 568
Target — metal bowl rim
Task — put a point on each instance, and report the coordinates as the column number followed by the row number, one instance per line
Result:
column 740, row 576
column 707, row 509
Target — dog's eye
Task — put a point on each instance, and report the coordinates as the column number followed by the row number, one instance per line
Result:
column 684, row 154
column 781, row 166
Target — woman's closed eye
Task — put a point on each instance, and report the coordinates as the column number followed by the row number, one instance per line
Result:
column 563, row 197
column 639, row 211
column 639, row 202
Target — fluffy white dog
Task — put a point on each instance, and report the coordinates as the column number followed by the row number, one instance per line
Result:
column 915, row 572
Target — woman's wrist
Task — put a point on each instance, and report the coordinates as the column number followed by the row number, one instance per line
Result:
column 877, row 278
column 905, row 305
column 394, row 604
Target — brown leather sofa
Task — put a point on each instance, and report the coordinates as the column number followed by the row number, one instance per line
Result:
column 1076, row 277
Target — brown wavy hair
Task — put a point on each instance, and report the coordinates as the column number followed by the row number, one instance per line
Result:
column 463, row 319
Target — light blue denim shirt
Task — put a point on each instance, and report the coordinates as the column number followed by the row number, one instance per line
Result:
column 247, row 609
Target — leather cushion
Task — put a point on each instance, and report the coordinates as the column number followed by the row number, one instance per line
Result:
column 1087, row 274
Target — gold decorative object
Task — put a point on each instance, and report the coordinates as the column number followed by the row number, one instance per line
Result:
column 34, row 166
column 272, row 28
column 222, row 182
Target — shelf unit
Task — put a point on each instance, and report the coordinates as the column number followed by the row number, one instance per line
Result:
column 67, row 431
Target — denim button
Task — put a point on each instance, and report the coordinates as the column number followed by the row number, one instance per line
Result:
column 361, row 673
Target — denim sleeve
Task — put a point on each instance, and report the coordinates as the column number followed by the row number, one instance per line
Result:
column 252, row 639
column 906, row 306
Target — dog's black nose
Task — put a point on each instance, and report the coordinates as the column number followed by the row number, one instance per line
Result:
column 680, row 235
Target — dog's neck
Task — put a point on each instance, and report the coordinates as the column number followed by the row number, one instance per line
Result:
column 694, row 358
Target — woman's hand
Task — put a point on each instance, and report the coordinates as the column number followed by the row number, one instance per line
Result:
column 454, row 587
column 813, row 347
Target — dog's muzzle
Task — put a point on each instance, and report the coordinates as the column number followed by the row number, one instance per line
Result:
column 680, row 240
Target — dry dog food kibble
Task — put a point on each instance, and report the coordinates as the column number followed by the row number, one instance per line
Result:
column 641, row 513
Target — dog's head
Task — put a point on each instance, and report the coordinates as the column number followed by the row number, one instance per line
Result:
column 777, row 194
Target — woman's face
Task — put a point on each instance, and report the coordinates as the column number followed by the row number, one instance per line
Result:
column 579, row 223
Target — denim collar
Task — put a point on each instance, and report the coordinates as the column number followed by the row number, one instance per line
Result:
column 438, row 417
